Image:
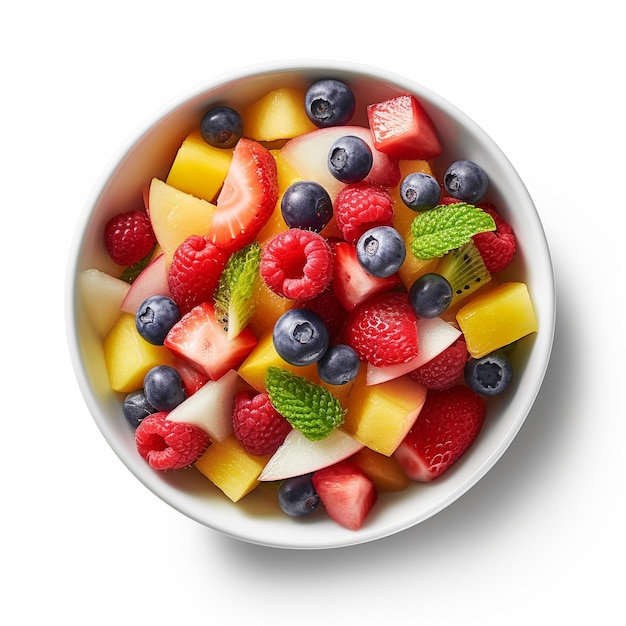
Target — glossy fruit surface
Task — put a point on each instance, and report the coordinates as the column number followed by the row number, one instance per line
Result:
column 306, row 204
column 329, row 102
column 466, row 181
column 155, row 317
column 420, row 191
column 164, row 388
column 430, row 295
column 381, row 251
column 221, row 127
column 350, row 159
column 300, row 337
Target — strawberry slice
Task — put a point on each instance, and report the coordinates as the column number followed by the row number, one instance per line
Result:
column 402, row 129
column 247, row 198
column 346, row 492
column 202, row 341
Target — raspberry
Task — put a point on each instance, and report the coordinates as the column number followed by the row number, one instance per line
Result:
column 169, row 445
column 383, row 331
column 297, row 264
column 444, row 370
column 195, row 271
column 258, row 426
column 497, row 248
column 362, row 206
column 129, row 237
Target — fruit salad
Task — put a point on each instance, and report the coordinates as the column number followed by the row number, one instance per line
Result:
column 308, row 306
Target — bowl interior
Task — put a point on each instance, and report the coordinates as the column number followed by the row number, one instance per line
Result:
column 150, row 153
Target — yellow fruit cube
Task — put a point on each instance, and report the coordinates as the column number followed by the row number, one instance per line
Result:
column 280, row 114
column 268, row 307
column 199, row 169
column 496, row 318
column 384, row 471
column 379, row 416
column 129, row 356
column 230, row 468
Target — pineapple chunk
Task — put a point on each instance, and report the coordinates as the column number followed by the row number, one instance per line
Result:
column 230, row 468
column 199, row 169
column 496, row 318
column 379, row 416
column 280, row 114
column 129, row 356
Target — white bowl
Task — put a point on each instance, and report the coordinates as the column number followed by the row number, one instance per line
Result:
column 150, row 153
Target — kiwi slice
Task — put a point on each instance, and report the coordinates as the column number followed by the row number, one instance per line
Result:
column 465, row 270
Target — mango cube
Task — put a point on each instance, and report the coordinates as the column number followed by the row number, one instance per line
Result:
column 384, row 471
column 380, row 416
column 496, row 318
column 230, row 468
column 199, row 169
column 129, row 356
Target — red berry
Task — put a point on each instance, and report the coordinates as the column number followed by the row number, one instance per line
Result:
column 497, row 248
column 297, row 264
column 258, row 426
column 169, row 445
column 129, row 237
column 195, row 271
column 362, row 206
column 383, row 331
column 444, row 370
column 330, row 309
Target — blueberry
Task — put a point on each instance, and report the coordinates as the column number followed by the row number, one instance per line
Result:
column 297, row 496
column 381, row 251
column 163, row 387
column 300, row 337
column 350, row 159
column 306, row 204
column 489, row 375
column 339, row 365
column 430, row 295
column 155, row 317
column 221, row 127
column 466, row 181
column 136, row 407
column 420, row 191
column 329, row 102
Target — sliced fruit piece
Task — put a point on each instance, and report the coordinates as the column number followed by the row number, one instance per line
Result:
column 151, row 282
column 346, row 492
column 402, row 128
column 198, row 168
column 230, row 468
column 299, row 455
column 102, row 296
column 200, row 339
column 308, row 155
column 384, row 471
column 279, row 114
column 247, row 198
column 497, row 318
column 210, row 407
column 176, row 215
column 268, row 307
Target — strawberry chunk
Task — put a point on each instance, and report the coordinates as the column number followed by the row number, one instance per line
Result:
column 402, row 129
column 346, row 492
column 247, row 198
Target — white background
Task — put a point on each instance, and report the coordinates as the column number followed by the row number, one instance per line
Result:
column 540, row 540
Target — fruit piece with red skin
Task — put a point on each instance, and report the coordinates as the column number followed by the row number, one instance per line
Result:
column 195, row 271
column 129, row 237
column 351, row 284
column 361, row 206
column 152, row 281
column 247, row 198
column 201, row 339
column 446, row 427
column 259, row 428
column 402, row 128
column 384, row 330
column 329, row 308
column 169, row 445
column 497, row 248
column 297, row 264
column 444, row 370
column 346, row 492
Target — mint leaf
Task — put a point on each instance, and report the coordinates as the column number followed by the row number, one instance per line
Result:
column 310, row 408
column 234, row 296
column 447, row 227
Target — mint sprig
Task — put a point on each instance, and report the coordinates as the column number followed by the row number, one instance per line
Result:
column 234, row 296
column 447, row 227
column 309, row 407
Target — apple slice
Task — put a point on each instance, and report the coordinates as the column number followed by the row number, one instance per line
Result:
column 211, row 407
column 152, row 281
column 434, row 336
column 102, row 296
column 308, row 155
column 299, row 455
